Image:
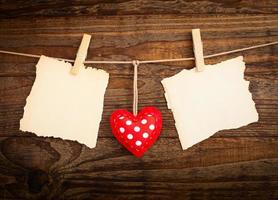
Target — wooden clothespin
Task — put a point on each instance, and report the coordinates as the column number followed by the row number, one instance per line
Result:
column 198, row 50
column 81, row 54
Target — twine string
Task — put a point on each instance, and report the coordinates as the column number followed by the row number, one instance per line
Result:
column 137, row 62
column 146, row 61
column 135, row 87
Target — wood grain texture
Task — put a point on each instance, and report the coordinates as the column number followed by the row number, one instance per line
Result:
column 11, row 9
column 233, row 164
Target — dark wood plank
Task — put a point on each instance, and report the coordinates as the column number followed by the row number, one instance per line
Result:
column 69, row 170
column 11, row 9
column 233, row 164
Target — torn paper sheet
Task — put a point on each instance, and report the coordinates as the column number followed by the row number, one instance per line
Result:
column 63, row 105
column 209, row 101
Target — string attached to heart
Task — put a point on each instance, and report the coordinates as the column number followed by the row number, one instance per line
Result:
column 135, row 87
column 136, row 132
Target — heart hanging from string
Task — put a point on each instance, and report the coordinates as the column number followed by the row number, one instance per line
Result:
column 136, row 132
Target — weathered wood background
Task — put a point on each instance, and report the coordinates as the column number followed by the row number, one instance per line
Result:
column 233, row 164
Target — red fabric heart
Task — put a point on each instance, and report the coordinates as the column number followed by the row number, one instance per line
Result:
column 137, row 133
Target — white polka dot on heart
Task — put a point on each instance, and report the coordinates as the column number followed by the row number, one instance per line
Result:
column 136, row 128
column 149, row 115
column 128, row 122
column 144, row 121
column 138, row 143
column 122, row 130
column 151, row 127
column 129, row 136
column 145, row 135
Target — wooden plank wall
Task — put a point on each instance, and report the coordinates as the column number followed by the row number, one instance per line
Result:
column 233, row 164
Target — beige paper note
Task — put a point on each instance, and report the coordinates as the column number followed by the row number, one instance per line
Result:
column 63, row 105
column 209, row 101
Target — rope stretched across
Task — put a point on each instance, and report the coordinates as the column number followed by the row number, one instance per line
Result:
column 146, row 61
column 136, row 63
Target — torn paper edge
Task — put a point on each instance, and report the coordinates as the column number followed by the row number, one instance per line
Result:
column 241, row 63
column 70, row 66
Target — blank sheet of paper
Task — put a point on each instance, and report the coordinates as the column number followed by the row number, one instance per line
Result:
column 64, row 105
column 206, row 102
